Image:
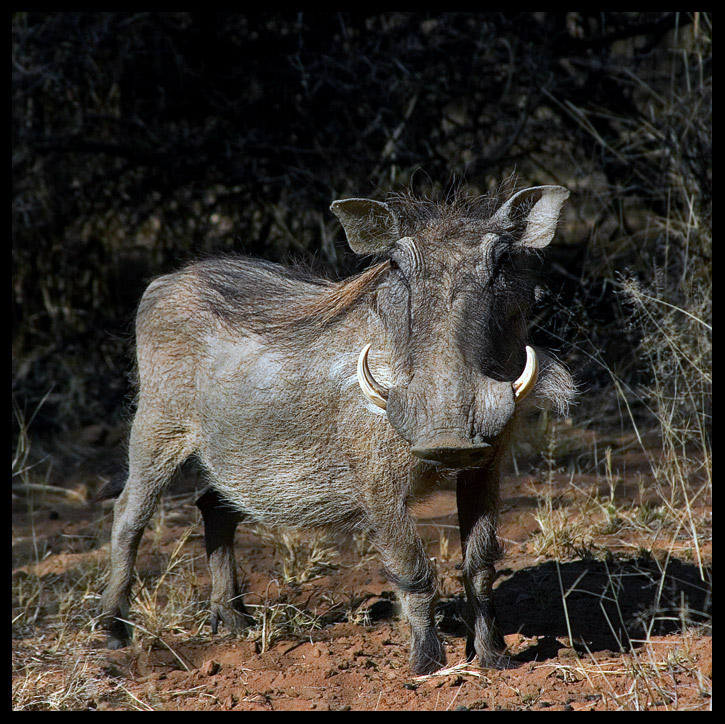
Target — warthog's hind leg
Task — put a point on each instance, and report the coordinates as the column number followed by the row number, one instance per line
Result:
column 151, row 467
column 220, row 522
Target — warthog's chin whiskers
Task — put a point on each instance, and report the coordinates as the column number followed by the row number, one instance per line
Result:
column 525, row 383
column 372, row 389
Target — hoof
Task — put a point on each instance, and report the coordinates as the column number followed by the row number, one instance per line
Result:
column 113, row 643
column 496, row 661
column 490, row 657
column 235, row 620
column 422, row 668
column 118, row 634
column 427, row 658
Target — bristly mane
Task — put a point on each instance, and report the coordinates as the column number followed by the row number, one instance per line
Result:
column 268, row 298
column 418, row 212
column 337, row 298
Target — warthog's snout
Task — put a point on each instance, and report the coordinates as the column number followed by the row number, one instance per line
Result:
column 452, row 455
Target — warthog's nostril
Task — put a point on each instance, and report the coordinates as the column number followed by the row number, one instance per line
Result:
column 454, row 457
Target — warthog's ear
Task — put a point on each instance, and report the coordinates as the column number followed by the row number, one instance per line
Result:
column 538, row 207
column 371, row 226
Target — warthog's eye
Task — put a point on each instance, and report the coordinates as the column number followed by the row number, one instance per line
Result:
column 395, row 292
column 398, row 272
column 502, row 254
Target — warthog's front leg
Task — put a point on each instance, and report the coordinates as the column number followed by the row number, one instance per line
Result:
column 477, row 494
column 412, row 574
column 220, row 522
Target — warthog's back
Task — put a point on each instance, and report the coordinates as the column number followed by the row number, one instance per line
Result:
column 234, row 291
column 182, row 315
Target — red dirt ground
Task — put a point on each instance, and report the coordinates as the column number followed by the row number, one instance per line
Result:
column 352, row 654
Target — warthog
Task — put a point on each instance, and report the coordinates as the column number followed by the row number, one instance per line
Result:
column 311, row 403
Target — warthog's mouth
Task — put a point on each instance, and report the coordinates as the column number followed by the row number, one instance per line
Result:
column 453, row 457
column 378, row 394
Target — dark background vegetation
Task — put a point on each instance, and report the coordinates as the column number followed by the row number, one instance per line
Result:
column 142, row 140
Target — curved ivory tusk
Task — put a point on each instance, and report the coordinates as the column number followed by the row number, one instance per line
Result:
column 526, row 382
column 372, row 389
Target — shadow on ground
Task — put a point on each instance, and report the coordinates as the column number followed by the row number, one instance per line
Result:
column 604, row 605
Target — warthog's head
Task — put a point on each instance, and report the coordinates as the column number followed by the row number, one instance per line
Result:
column 455, row 304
